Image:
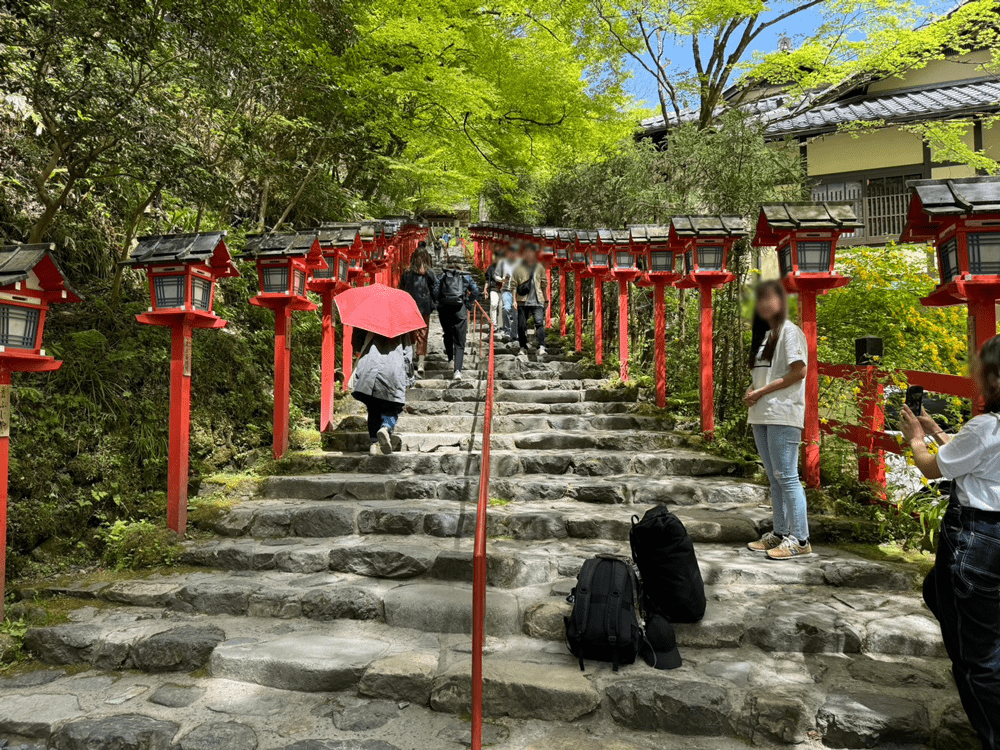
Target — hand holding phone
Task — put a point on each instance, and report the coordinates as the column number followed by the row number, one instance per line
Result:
column 915, row 399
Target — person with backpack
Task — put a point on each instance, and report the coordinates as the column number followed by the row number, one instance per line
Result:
column 963, row 588
column 494, row 286
column 420, row 282
column 456, row 292
column 383, row 371
column 446, row 240
column 776, row 402
column 530, row 282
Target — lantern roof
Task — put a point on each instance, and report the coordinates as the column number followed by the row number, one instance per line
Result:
column 708, row 226
column 19, row 262
column 778, row 220
column 614, row 236
column 283, row 244
column 932, row 202
column 198, row 247
column 339, row 235
column 566, row 235
column 650, row 233
column 586, row 237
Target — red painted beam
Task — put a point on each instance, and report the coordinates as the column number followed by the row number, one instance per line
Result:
column 282, row 378
column 598, row 320
column 328, row 364
column 623, row 341
column 578, row 310
column 707, row 357
column 180, row 426
column 660, row 343
column 562, row 302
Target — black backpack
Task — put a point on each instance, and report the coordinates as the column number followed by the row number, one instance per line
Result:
column 604, row 624
column 452, row 290
column 664, row 552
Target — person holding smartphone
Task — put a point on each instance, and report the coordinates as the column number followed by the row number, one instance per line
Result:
column 963, row 588
column 776, row 402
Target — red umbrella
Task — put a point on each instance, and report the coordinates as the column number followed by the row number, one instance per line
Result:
column 380, row 309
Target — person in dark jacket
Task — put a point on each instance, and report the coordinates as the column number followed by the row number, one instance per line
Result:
column 421, row 283
column 494, row 286
column 456, row 292
column 383, row 370
column 530, row 283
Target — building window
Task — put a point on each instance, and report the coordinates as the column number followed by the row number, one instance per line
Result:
column 814, row 257
column 169, row 290
column 984, row 253
column 18, row 326
column 880, row 202
column 948, row 254
column 785, row 260
column 710, row 257
column 201, row 293
column 276, row 280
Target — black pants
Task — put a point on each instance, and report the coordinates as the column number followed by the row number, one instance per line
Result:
column 963, row 592
column 538, row 312
column 455, row 322
column 381, row 413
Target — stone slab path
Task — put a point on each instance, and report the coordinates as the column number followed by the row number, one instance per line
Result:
column 331, row 608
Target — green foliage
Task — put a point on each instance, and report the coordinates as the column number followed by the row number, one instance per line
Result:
column 133, row 545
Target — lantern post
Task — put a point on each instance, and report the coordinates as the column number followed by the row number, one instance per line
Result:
column 547, row 239
column 30, row 280
column 598, row 266
column 562, row 246
column 182, row 270
column 371, row 236
column 336, row 241
column 806, row 235
column 962, row 219
column 626, row 266
column 705, row 242
column 578, row 262
column 653, row 242
column 284, row 263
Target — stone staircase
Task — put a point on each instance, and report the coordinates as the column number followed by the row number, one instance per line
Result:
column 331, row 609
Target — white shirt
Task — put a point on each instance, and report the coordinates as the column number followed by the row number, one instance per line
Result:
column 972, row 460
column 505, row 269
column 788, row 405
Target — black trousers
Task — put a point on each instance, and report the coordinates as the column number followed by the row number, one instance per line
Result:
column 963, row 592
column 538, row 313
column 455, row 322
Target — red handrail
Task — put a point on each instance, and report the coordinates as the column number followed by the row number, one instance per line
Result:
column 479, row 553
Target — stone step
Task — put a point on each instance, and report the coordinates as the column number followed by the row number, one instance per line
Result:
column 516, row 396
column 469, row 424
column 517, row 564
column 422, row 442
column 668, row 462
column 836, row 609
column 541, row 521
column 749, row 694
column 517, row 384
column 501, row 409
column 715, row 492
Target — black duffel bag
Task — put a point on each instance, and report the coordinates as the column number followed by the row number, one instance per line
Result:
column 664, row 553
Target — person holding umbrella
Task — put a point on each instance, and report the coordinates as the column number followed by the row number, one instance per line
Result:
column 383, row 319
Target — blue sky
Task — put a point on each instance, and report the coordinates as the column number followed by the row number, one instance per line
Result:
column 643, row 87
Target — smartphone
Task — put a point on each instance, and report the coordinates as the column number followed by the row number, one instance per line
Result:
column 915, row 399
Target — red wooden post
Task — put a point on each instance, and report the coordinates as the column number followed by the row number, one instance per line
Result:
column 871, row 460
column 660, row 342
column 982, row 324
column 623, row 342
column 180, row 426
column 810, row 433
column 328, row 365
column 562, row 302
column 707, row 353
column 578, row 310
column 4, row 468
column 282, row 378
column 598, row 320
column 347, row 354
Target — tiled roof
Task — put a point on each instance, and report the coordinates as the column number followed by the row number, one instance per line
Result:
column 175, row 248
column 785, row 118
column 280, row 244
column 965, row 196
column 695, row 226
column 809, row 215
column 17, row 261
column 338, row 235
column 652, row 233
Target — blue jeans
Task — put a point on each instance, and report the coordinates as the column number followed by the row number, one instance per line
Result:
column 778, row 446
column 963, row 592
column 509, row 319
column 381, row 413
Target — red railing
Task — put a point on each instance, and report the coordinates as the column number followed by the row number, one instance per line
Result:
column 480, row 315
column 870, row 437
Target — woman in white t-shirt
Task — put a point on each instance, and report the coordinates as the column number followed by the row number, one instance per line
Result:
column 777, row 403
column 963, row 588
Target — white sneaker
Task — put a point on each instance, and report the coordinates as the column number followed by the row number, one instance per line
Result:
column 457, row 375
column 384, row 441
column 523, row 355
column 541, row 350
column 375, row 449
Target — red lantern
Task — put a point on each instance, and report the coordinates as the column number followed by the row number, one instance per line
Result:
column 284, row 263
column 30, row 280
column 653, row 244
